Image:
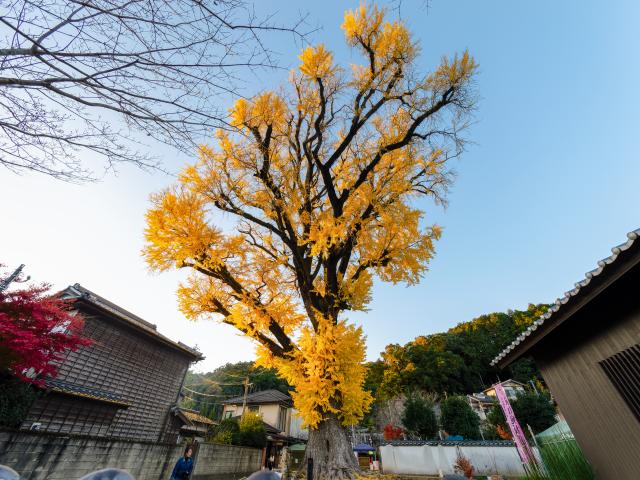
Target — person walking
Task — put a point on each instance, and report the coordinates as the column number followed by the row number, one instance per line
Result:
column 184, row 466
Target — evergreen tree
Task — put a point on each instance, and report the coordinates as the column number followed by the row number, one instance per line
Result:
column 458, row 418
column 419, row 418
column 530, row 408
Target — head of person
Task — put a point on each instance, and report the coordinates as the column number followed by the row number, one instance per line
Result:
column 188, row 452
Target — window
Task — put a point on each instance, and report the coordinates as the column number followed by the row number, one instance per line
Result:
column 228, row 414
column 254, row 408
column 282, row 419
column 623, row 369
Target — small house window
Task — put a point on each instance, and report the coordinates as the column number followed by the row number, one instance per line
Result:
column 623, row 369
column 282, row 418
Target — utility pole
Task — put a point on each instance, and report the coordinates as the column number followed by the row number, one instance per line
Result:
column 246, row 392
column 4, row 284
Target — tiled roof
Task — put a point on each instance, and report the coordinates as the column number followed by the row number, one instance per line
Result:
column 265, row 396
column 569, row 298
column 196, row 417
column 504, row 382
column 445, row 443
column 91, row 393
column 78, row 292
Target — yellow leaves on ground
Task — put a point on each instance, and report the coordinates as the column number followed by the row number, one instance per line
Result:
column 326, row 371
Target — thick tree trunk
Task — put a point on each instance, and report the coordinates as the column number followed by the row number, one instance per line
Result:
column 331, row 451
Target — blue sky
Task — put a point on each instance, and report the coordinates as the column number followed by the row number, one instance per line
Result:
column 548, row 187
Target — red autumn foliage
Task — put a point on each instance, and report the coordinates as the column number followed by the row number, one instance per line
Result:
column 392, row 433
column 502, row 433
column 36, row 329
column 464, row 466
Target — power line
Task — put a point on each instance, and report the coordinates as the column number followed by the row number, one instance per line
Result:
column 207, row 382
column 201, row 402
column 208, row 394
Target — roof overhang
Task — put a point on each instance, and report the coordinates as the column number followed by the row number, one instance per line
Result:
column 85, row 296
column 623, row 258
column 82, row 391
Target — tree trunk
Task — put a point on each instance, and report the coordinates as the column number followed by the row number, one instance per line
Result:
column 331, row 451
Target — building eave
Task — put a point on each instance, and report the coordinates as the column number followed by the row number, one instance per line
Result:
column 623, row 258
column 83, row 295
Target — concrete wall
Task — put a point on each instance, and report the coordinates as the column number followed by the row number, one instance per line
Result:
column 433, row 460
column 38, row 456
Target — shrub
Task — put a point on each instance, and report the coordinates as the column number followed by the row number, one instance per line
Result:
column 419, row 418
column 16, row 398
column 224, row 437
column 251, row 431
column 458, row 418
column 392, row 433
column 562, row 458
column 463, row 465
column 531, row 409
column 226, row 431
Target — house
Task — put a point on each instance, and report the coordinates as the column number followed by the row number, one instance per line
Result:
column 275, row 408
column 282, row 424
column 122, row 386
column 511, row 387
column 191, row 424
column 483, row 402
column 587, row 347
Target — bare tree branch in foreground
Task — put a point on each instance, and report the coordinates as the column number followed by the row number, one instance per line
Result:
column 72, row 70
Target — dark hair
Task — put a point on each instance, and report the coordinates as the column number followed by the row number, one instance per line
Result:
column 187, row 448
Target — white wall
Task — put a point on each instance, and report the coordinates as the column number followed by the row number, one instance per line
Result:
column 433, row 460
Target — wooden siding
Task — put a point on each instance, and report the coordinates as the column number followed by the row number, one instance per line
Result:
column 147, row 374
column 602, row 422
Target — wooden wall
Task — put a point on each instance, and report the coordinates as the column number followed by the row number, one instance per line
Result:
column 144, row 372
column 601, row 421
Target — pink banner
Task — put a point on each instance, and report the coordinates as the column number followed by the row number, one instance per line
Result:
column 524, row 449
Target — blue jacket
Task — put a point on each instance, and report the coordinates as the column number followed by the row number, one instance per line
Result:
column 182, row 470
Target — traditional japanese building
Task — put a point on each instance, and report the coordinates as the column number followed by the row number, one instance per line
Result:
column 124, row 385
column 587, row 347
column 282, row 423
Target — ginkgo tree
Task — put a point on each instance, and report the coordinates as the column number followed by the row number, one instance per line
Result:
column 321, row 178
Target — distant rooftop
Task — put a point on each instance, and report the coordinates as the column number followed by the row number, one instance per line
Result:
column 80, row 293
column 265, row 396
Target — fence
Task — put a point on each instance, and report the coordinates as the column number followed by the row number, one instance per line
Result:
column 41, row 456
column 435, row 458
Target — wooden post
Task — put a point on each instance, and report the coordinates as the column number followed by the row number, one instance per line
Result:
column 310, row 469
column 246, row 391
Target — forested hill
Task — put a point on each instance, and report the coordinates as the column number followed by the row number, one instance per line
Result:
column 457, row 361
column 226, row 382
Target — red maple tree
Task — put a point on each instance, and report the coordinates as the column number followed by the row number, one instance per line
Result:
column 36, row 328
column 392, row 433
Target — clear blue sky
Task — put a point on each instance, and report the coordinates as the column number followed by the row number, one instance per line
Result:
column 550, row 185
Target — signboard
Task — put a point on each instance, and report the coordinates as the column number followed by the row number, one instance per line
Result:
column 524, row 449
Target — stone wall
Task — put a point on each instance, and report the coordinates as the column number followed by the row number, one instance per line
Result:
column 42, row 456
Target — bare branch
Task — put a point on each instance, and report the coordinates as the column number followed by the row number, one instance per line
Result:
column 119, row 74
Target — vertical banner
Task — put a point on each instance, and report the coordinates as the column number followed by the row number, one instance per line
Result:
column 524, row 450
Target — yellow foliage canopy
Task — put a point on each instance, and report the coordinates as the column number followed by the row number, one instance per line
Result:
column 322, row 181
